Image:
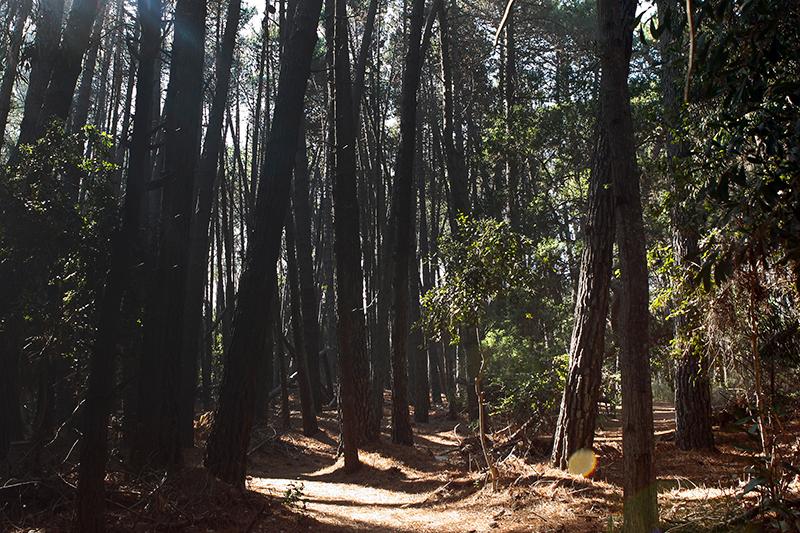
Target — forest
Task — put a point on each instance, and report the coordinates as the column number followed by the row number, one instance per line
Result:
column 399, row 265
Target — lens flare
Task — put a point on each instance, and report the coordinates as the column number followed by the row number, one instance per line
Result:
column 583, row 462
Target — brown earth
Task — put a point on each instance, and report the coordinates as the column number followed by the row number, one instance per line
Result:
column 296, row 483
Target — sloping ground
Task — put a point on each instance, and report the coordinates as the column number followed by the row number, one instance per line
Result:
column 296, row 483
column 429, row 488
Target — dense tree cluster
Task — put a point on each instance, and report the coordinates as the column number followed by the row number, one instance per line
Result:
column 514, row 211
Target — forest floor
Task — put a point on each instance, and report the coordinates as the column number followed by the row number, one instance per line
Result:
column 296, row 483
column 431, row 488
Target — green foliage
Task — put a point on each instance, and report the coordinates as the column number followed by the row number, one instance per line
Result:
column 485, row 262
column 57, row 211
column 523, row 378
column 294, row 494
column 503, row 282
column 748, row 71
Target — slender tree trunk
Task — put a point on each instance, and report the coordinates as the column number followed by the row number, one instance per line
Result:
column 422, row 398
column 226, row 455
column 45, row 44
column 74, row 43
column 401, row 224
column 692, row 383
column 454, row 156
column 305, row 262
column 361, row 63
column 512, row 162
column 578, row 414
column 257, row 115
column 199, row 232
column 432, row 348
column 301, row 363
column 99, row 398
column 354, row 383
column 80, row 109
column 459, row 195
column 640, row 509
column 379, row 346
column 166, row 424
column 281, row 359
column 116, row 81
column 12, row 62
column 417, row 352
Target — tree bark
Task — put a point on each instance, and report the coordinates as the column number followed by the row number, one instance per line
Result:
column 45, row 44
column 401, row 224
column 512, row 162
column 692, row 383
column 640, row 507
column 74, row 43
column 90, row 505
column 167, row 424
column 307, row 408
column 305, row 263
column 280, row 356
column 454, row 157
column 417, row 353
column 80, row 108
column 12, row 62
column 199, row 232
column 354, row 382
column 578, row 413
column 226, row 454
column 361, row 63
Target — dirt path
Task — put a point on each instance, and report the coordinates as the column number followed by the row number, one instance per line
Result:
column 422, row 489
column 428, row 488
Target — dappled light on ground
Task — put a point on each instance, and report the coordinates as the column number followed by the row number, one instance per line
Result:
column 431, row 487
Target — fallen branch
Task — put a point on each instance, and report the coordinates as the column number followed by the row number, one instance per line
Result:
column 263, row 442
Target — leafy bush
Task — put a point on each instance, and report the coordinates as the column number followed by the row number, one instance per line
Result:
column 523, row 380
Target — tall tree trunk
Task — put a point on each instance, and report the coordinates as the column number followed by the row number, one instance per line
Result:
column 226, row 454
column 263, row 73
column 300, row 360
column 199, row 233
column 361, row 63
column 12, row 62
column 354, row 383
column 433, row 353
column 459, row 195
column 379, row 345
column 417, row 353
column 80, row 108
column 74, row 43
column 616, row 25
column 165, row 421
column 692, row 383
column 280, row 356
column 94, row 446
column 512, row 162
column 45, row 44
column 454, row 156
column 578, row 414
column 401, row 224
column 305, row 263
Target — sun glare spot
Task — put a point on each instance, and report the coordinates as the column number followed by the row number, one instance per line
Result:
column 583, row 462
